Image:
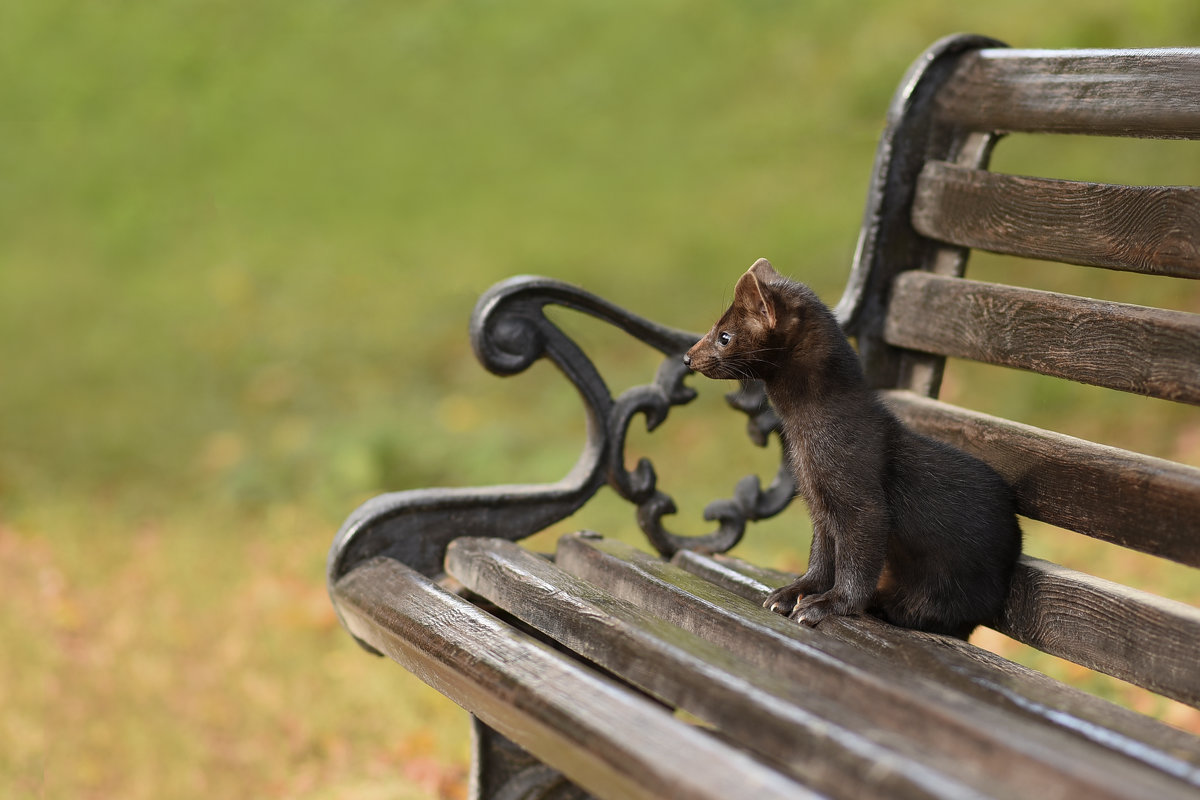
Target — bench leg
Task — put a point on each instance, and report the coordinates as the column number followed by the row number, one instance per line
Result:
column 502, row 770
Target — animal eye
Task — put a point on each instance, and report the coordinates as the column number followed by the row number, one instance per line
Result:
column 724, row 337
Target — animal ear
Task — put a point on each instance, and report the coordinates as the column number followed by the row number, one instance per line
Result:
column 751, row 294
column 763, row 270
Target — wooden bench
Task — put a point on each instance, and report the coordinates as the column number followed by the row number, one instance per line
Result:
column 608, row 671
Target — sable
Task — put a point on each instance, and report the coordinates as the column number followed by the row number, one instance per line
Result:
column 905, row 527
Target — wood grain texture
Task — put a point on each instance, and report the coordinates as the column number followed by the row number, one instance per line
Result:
column 1145, row 93
column 977, row 740
column 810, row 736
column 1148, row 351
column 984, row 676
column 609, row 740
column 1139, row 637
column 1130, row 499
column 1151, row 229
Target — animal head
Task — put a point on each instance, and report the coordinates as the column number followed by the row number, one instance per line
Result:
column 771, row 321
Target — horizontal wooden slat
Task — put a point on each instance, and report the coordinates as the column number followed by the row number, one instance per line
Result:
column 1130, row 499
column 1017, row 750
column 1148, row 351
column 1133, row 635
column 981, row 674
column 1151, row 229
column 808, row 734
column 1145, row 93
column 613, row 742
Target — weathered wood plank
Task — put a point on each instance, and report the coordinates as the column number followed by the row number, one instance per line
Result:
column 810, row 736
column 1148, row 351
column 1151, row 229
column 1129, row 499
column 1144, row 93
column 999, row 746
column 980, row 674
column 1139, row 637
column 619, row 745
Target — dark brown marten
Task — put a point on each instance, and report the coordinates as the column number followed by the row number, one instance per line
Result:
column 904, row 527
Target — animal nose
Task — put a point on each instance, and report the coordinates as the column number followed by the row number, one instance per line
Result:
column 687, row 359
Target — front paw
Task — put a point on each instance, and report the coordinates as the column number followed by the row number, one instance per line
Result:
column 814, row 608
column 783, row 600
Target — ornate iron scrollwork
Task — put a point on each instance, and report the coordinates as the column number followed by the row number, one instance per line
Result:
column 509, row 332
column 749, row 501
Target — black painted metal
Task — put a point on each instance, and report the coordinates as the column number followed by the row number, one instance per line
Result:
column 509, row 332
column 503, row 770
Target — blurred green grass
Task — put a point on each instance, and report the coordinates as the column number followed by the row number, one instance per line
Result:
column 238, row 247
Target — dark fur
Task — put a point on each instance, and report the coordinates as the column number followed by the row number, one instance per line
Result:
column 904, row 526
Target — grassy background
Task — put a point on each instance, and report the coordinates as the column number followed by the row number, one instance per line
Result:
column 238, row 246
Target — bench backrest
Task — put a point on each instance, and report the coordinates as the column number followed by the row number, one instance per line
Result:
column 932, row 200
